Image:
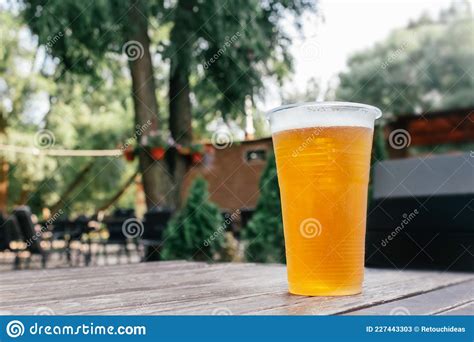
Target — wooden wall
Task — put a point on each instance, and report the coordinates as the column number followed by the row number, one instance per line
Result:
column 233, row 179
column 433, row 128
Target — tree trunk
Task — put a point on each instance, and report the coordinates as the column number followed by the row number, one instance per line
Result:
column 157, row 181
column 180, row 109
column 4, row 167
column 180, row 125
column 24, row 196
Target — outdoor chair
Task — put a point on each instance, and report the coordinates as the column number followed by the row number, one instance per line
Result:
column 70, row 232
column 11, row 238
column 81, row 224
column 30, row 236
column 154, row 222
column 115, row 226
column 4, row 238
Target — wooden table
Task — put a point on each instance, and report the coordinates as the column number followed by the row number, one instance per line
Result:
column 181, row 287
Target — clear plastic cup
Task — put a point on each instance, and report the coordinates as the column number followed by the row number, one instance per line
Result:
column 323, row 154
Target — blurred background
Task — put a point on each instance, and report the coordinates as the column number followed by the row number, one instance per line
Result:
column 133, row 131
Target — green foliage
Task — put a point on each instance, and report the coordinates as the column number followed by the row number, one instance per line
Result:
column 105, row 122
column 311, row 93
column 81, row 33
column 229, row 48
column 264, row 233
column 197, row 230
column 88, row 39
column 80, row 113
column 21, row 83
column 426, row 66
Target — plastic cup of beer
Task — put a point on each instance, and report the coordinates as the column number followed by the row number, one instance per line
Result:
column 322, row 152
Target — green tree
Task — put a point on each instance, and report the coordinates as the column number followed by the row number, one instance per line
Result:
column 219, row 52
column 264, row 233
column 85, row 37
column 197, row 230
column 21, row 85
column 426, row 66
column 93, row 34
column 35, row 96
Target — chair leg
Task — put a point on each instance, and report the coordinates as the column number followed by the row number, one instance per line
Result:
column 44, row 260
column 68, row 252
column 127, row 252
column 16, row 262
column 88, row 255
column 28, row 261
column 106, row 256
column 80, row 254
column 119, row 253
column 137, row 249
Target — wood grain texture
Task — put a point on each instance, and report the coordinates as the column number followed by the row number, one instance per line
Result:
column 190, row 288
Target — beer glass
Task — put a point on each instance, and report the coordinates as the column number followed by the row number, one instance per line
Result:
column 322, row 152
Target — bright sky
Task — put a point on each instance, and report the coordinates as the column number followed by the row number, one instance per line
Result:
column 347, row 26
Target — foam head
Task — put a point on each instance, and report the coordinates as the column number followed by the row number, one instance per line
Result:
column 322, row 114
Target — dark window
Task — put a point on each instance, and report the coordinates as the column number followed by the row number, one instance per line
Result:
column 254, row 155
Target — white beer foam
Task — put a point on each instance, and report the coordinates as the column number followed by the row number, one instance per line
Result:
column 322, row 114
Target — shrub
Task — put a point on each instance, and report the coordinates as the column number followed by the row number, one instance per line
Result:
column 264, row 233
column 197, row 230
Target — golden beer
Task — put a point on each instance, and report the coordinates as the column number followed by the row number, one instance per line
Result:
column 323, row 173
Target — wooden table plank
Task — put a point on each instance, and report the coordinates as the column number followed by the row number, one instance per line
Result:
column 200, row 288
column 466, row 309
column 429, row 303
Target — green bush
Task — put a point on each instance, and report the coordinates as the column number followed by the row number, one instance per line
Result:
column 197, row 230
column 264, row 233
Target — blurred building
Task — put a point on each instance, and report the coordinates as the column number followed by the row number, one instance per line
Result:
column 233, row 173
column 431, row 130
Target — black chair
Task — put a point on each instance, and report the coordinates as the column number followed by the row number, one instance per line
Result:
column 116, row 226
column 11, row 233
column 4, row 238
column 81, row 224
column 154, row 222
column 69, row 232
column 30, row 236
